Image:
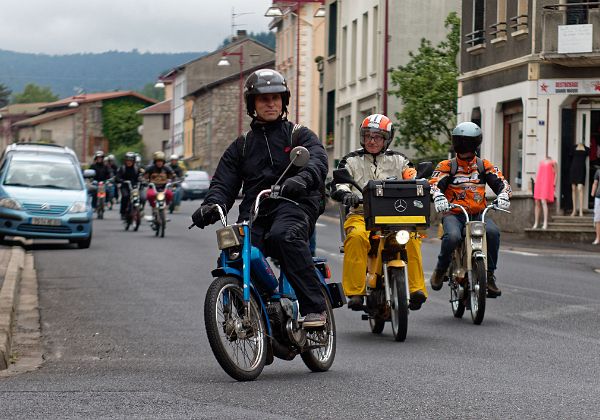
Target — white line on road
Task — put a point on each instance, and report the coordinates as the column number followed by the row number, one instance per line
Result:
column 527, row 254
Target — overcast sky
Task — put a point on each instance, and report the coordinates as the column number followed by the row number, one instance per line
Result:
column 72, row 26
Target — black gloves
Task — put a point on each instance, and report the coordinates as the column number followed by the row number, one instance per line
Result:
column 207, row 214
column 293, row 187
column 346, row 197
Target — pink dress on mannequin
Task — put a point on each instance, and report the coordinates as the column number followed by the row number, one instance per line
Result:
column 544, row 182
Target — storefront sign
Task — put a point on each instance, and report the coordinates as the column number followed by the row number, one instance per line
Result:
column 574, row 39
column 569, row 87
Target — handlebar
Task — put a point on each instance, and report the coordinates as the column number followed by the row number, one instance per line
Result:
column 493, row 206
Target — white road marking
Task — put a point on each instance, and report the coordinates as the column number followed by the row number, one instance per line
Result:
column 527, row 254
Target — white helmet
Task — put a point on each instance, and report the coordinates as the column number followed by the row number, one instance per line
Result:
column 174, row 157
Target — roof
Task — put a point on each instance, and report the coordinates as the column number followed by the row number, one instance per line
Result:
column 24, row 109
column 163, row 107
column 48, row 116
column 95, row 97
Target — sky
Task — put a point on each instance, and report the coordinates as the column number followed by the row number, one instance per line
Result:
column 78, row 26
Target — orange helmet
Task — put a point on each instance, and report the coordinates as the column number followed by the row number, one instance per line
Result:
column 380, row 124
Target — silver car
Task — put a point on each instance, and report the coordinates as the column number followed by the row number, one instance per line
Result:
column 195, row 184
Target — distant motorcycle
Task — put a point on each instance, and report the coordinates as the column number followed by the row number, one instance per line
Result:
column 159, row 211
column 467, row 273
column 100, row 199
column 134, row 208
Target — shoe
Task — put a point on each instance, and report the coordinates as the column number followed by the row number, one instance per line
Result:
column 437, row 279
column 596, row 242
column 315, row 320
column 355, row 303
column 534, row 226
column 417, row 298
column 492, row 290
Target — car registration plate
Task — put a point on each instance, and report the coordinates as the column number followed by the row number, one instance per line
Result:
column 45, row 221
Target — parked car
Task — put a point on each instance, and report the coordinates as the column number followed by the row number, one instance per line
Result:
column 195, row 184
column 43, row 194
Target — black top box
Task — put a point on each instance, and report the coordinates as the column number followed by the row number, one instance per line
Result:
column 402, row 205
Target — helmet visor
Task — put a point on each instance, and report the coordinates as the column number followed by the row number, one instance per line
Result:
column 466, row 144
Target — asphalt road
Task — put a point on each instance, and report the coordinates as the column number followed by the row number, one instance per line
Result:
column 124, row 337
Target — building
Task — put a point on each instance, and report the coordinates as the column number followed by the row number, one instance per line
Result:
column 76, row 121
column 11, row 114
column 530, row 76
column 156, row 132
column 214, row 109
column 365, row 38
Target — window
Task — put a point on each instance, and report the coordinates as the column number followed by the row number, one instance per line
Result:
column 354, row 48
column 375, row 35
column 519, row 22
column 332, row 15
column 343, row 51
column 499, row 28
column 166, row 121
column 47, row 135
column 578, row 13
column 365, row 45
column 330, row 118
column 477, row 35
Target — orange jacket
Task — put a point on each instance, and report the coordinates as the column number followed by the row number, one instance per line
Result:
column 465, row 188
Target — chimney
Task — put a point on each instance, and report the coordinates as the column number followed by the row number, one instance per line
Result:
column 241, row 33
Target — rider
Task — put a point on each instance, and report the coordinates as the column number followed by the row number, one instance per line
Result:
column 465, row 187
column 178, row 170
column 374, row 162
column 256, row 160
column 159, row 174
column 102, row 172
column 127, row 172
column 113, row 168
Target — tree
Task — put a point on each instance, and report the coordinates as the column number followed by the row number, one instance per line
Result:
column 428, row 88
column 4, row 95
column 34, row 93
column 121, row 121
column 153, row 92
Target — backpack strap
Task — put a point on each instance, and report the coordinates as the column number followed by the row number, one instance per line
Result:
column 480, row 168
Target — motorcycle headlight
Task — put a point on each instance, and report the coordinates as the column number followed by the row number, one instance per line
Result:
column 477, row 228
column 402, row 237
column 9, row 203
column 160, row 196
column 78, row 207
column 227, row 238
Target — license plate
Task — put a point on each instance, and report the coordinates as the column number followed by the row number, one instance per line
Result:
column 45, row 221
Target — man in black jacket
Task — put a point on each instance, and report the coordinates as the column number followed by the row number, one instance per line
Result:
column 256, row 160
column 127, row 172
column 102, row 173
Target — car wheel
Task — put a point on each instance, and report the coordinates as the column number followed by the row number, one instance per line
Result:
column 85, row 243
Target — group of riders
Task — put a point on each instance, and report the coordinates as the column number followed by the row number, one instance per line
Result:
column 283, row 228
column 158, row 175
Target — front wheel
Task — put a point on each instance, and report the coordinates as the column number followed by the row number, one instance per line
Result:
column 163, row 223
column 399, row 307
column 136, row 219
column 239, row 344
column 320, row 357
column 478, row 291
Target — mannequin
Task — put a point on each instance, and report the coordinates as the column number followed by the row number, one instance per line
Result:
column 578, row 173
column 545, row 184
column 596, row 195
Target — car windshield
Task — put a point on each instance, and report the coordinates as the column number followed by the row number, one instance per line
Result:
column 196, row 176
column 40, row 174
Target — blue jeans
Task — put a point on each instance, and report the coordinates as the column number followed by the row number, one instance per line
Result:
column 453, row 227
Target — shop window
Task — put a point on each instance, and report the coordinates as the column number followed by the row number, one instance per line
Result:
column 512, row 153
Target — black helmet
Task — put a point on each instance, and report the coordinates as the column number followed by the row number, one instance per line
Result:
column 466, row 137
column 265, row 81
column 130, row 156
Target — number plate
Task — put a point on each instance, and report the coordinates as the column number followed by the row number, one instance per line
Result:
column 45, row 221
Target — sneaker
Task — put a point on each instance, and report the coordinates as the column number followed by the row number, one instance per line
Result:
column 492, row 290
column 596, row 242
column 437, row 279
column 355, row 303
column 417, row 298
column 315, row 320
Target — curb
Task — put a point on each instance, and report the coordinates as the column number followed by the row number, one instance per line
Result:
column 8, row 303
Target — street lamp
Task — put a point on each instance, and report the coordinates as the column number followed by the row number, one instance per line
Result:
column 224, row 61
column 274, row 12
column 75, row 104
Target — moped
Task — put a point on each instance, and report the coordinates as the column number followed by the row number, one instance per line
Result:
column 158, row 220
column 467, row 273
column 134, row 209
column 251, row 316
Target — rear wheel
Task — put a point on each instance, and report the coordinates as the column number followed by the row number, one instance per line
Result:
column 320, row 358
column 399, row 309
column 478, row 291
column 239, row 345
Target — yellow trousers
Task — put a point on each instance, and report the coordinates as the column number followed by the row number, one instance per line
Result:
column 356, row 248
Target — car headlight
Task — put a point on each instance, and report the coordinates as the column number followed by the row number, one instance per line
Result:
column 9, row 203
column 78, row 207
column 184, row 185
column 402, row 237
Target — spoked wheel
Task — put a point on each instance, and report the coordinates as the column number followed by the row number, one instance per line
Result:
column 163, row 223
column 240, row 346
column 399, row 309
column 377, row 324
column 320, row 359
column 457, row 299
column 478, row 281
column 100, row 208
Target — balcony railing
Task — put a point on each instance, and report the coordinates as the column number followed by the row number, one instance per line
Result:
column 576, row 15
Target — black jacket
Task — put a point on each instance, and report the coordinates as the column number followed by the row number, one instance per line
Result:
column 102, row 171
column 131, row 174
column 257, row 159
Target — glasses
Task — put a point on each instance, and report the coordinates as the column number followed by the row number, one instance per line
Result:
column 373, row 137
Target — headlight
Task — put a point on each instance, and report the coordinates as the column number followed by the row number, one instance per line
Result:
column 402, row 237
column 477, row 228
column 227, row 238
column 160, row 196
column 184, row 185
column 78, row 207
column 9, row 203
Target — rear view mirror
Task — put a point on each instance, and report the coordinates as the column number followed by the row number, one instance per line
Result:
column 424, row 170
column 299, row 156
